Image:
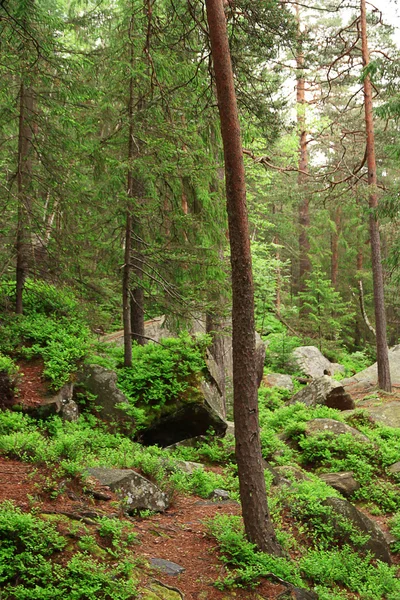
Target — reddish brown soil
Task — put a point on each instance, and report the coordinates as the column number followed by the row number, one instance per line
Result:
column 31, row 386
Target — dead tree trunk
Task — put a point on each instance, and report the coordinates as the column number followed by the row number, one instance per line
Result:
column 256, row 517
column 24, row 175
column 377, row 271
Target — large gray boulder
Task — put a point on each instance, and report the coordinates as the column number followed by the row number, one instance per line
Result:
column 135, row 491
column 319, row 426
column 324, row 390
column 311, row 361
column 376, row 542
column 109, row 400
column 368, row 378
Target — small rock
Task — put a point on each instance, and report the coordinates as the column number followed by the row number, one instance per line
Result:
column 186, row 466
column 166, row 566
column 317, row 426
column 219, row 495
column 342, row 482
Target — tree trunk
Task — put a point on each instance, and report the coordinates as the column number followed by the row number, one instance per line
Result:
column 23, row 241
column 377, row 271
column 304, row 205
column 335, row 247
column 126, row 301
column 253, row 497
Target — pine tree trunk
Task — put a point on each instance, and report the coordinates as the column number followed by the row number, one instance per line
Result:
column 126, row 285
column 24, row 175
column 304, row 205
column 253, row 497
column 335, row 247
column 377, row 271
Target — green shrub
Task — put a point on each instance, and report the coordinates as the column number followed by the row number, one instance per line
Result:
column 278, row 355
column 347, row 568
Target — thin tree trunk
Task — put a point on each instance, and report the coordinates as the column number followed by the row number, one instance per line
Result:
column 377, row 271
column 253, row 497
column 24, row 175
column 126, row 301
column 304, row 205
column 335, row 247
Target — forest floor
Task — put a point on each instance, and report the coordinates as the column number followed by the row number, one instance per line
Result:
column 178, row 535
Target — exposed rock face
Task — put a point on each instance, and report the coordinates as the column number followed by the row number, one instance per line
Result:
column 136, row 491
column 102, row 383
column 188, row 421
column 312, row 362
column 296, row 593
column 369, row 377
column 342, row 482
column 318, row 426
column 279, row 380
column 324, row 390
column 376, row 543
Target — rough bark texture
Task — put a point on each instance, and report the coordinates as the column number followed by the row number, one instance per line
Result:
column 304, row 211
column 248, row 451
column 23, row 242
column 377, row 272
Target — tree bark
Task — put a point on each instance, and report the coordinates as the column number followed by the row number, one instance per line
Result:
column 24, row 175
column 304, row 205
column 384, row 381
column 253, row 497
column 335, row 247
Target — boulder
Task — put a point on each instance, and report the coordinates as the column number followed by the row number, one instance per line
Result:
column 188, row 467
column 135, row 491
column 387, row 414
column 376, row 542
column 342, row 482
column 318, row 426
column 279, row 380
column 311, row 361
column 188, row 420
column 324, row 390
column 395, row 468
column 368, row 378
column 288, row 473
column 109, row 400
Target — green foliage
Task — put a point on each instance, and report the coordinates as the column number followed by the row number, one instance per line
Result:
column 51, row 328
column 8, row 366
column 394, row 525
column 29, row 569
column 278, row 355
column 346, row 568
column 326, row 314
column 162, row 374
column 353, row 363
column 248, row 564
